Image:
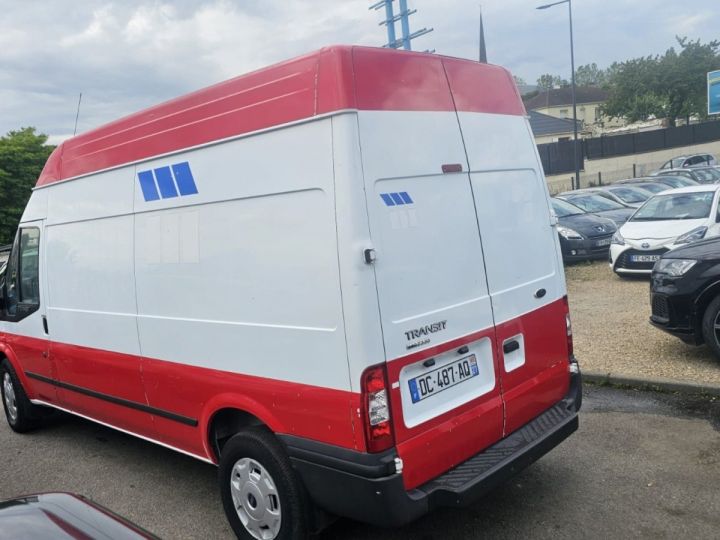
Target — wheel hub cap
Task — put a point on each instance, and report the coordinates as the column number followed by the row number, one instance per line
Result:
column 9, row 395
column 256, row 499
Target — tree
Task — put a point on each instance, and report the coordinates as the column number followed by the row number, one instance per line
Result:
column 590, row 75
column 669, row 86
column 22, row 156
column 519, row 81
column 548, row 82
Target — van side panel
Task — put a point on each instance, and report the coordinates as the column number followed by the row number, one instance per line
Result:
column 242, row 278
column 91, row 297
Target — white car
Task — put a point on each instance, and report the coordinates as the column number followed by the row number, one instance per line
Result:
column 667, row 220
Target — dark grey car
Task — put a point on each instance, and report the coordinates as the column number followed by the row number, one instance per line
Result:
column 599, row 205
column 582, row 235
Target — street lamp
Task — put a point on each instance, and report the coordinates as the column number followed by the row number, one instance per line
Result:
column 574, row 103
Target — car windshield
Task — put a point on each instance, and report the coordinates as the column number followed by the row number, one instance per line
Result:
column 652, row 187
column 707, row 176
column 673, row 181
column 676, row 206
column 630, row 195
column 564, row 209
column 594, row 203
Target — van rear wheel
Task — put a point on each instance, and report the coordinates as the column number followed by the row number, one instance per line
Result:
column 711, row 326
column 262, row 495
column 21, row 415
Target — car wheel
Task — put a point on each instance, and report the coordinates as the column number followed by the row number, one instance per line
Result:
column 262, row 495
column 711, row 326
column 21, row 415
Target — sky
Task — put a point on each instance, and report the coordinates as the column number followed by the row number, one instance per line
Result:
column 127, row 55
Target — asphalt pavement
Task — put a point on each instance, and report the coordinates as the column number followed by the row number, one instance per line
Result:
column 641, row 465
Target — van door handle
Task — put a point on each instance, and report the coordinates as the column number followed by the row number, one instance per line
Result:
column 45, row 324
column 510, row 346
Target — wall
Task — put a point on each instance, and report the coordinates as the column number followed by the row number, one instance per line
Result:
column 618, row 168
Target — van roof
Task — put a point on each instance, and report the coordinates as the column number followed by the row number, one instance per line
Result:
column 332, row 79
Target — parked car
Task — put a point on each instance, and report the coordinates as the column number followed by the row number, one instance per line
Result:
column 707, row 175
column 64, row 516
column 582, row 235
column 694, row 160
column 599, row 205
column 668, row 220
column 629, row 196
column 685, row 293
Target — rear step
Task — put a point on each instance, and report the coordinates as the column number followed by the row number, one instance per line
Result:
column 481, row 473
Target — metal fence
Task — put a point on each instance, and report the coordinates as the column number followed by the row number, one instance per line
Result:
column 557, row 157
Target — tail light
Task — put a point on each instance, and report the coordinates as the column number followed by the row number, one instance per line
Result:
column 568, row 327
column 376, row 409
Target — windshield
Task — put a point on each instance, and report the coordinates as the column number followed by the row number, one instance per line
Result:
column 676, row 206
column 672, row 181
column 564, row 209
column 652, row 187
column 629, row 195
column 707, row 176
column 594, row 203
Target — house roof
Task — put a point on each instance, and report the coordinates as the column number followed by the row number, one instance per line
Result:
column 543, row 124
column 563, row 96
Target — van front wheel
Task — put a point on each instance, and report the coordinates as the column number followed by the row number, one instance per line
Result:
column 20, row 413
column 262, row 496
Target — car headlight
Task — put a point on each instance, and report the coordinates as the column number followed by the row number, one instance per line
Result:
column 674, row 267
column 617, row 238
column 569, row 234
column 698, row 233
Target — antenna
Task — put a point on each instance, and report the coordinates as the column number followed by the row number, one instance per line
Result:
column 77, row 114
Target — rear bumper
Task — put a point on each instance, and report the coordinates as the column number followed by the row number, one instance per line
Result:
column 365, row 487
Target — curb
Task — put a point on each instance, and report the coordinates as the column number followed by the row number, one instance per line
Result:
column 656, row 384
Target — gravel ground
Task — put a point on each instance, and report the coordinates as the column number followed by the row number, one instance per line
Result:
column 612, row 333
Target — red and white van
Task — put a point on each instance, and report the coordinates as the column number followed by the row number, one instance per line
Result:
column 337, row 278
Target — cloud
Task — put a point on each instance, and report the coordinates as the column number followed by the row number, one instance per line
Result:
column 124, row 56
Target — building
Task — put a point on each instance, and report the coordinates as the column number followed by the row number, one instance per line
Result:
column 557, row 102
column 549, row 129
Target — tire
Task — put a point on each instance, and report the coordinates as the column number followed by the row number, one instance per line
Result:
column 21, row 415
column 258, row 486
column 710, row 319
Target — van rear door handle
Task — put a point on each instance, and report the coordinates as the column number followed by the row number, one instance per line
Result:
column 510, row 346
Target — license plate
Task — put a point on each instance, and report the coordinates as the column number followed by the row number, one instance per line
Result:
column 644, row 258
column 603, row 242
column 442, row 378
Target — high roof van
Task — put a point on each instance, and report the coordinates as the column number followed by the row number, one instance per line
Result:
column 337, row 278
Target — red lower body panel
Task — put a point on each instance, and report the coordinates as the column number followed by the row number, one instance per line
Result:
column 175, row 403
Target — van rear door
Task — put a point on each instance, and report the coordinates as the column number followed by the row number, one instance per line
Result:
column 522, row 256
column 435, row 310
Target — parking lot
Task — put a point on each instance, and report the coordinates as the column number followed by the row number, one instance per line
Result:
column 641, row 465
column 612, row 333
